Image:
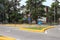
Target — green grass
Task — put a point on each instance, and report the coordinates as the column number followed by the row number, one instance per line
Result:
column 36, row 28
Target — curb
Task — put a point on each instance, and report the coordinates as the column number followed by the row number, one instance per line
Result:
column 26, row 29
column 6, row 38
column 32, row 30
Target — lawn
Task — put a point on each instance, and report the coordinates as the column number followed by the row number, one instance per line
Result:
column 36, row 28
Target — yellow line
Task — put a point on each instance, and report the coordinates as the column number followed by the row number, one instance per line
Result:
column 20, row 26
column 31, row 30
column 6, row 38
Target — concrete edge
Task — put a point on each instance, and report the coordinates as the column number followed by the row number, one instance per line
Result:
column 7, row 38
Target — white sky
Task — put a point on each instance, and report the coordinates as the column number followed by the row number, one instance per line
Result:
column 23, row 2
column 47, row 3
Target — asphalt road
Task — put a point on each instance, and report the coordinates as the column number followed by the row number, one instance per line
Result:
column 51, row 34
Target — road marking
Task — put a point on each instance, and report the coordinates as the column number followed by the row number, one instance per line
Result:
column 45, row 32
column 18, row 39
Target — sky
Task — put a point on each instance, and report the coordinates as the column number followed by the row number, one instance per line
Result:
column 23, row 2
column 47, row 3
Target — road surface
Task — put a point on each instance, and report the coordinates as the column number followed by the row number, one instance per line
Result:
column 51, row 34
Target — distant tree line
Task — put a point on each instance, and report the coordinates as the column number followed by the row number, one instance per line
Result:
column 10, row 13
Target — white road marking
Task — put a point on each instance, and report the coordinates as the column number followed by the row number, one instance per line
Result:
column 45, row 32
column 18, row 39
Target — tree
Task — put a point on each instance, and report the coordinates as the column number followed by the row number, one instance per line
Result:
column 10, row 10
column 36, row 8
column 54, row 7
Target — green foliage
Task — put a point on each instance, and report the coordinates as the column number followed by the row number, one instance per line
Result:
column 55, row 4
column 37, row 28
column 9, row 11
column 54, row 10
column 36, row 8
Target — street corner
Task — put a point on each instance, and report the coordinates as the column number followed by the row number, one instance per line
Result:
column 36, row 30
column 6, row 38
column 49, row 27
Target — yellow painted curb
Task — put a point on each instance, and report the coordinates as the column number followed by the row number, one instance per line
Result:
column 6, row 38
column 20, row 26
column 32, row 30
